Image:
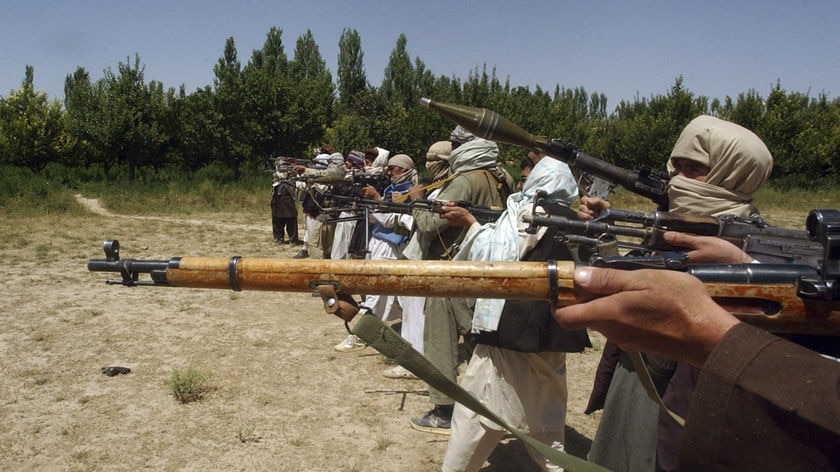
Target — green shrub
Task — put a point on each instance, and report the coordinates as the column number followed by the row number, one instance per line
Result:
column 190, row 385
column 23, row 193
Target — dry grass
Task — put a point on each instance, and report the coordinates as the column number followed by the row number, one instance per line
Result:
column 282, row 398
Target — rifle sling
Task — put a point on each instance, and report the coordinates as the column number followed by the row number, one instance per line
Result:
column 436, row 184
column 385, row 340
column 640, row 366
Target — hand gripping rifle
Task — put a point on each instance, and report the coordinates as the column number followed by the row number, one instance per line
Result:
column 488, row 124
column 777, row 297
column 378, row 181
column 765, row 243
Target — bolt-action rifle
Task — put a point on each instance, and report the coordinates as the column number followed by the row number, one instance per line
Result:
column 353, row 184
column 488, row 124
column 482, row 214
column 786, row 298
column 765, row 243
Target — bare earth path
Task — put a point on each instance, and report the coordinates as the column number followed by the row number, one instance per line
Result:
column 282, row 398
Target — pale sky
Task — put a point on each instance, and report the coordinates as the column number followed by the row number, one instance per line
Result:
column 623, row 49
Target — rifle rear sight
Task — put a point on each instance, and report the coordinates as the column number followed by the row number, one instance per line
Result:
column 823, row 226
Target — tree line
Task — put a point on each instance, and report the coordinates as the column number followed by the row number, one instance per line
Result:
column 121, row 126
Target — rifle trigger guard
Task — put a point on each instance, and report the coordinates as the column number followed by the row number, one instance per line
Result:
column 553, row 287
column 342, row 306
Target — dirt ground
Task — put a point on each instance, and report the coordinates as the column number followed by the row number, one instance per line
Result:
column 282, row 397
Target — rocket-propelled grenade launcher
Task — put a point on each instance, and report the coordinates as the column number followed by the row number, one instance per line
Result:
column 488, row 124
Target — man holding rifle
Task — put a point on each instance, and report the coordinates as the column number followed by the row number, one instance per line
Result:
column 518, row 367
column 761, row 403
column 480, row 180
column 715, row 166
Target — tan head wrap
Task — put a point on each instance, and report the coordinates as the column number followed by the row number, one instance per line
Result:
column 738, row 160
column 437, row 159
column 402, row 160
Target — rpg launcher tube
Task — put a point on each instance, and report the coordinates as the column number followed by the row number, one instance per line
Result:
column 488, row 124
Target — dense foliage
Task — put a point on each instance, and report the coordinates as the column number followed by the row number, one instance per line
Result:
column 121, row 127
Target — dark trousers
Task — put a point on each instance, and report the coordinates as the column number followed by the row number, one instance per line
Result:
column 287, row 225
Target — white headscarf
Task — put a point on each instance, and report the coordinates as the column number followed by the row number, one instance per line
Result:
column 738, row 161
column 476, row 154
column 381, row 161
column 506, row 239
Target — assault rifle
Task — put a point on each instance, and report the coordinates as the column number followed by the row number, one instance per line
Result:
column 482, row 214
column 784, row 298
column 353, row 184
column 379, row 181
column 488, row 124
column 765, row 243
column 286, row 165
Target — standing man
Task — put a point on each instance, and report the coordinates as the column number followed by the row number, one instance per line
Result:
column 480, row 180
column 715, row 168
column 284, row 213
column 389, row 236
column 318, row 236
column 518, row 367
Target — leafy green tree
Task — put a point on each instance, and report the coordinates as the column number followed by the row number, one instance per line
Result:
column 364, row 125
column 268, row 99
column 350, row 75
column 477, row 89
column 276, row 106
column 31, row 127
column 311, row 111
column 230, row 124
column 120, row 119
column 748, row 110
column 163, row 114
column 194, row 129
column 398, row 81
column 598, row 106
column 134, row 129
column 422, row 127
column 802, row 134
column 569, row 115
column 819, row 138
column 644, row 131
column 84, row 116
column 780, row 128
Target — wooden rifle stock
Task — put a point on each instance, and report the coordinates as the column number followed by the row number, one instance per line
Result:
column 773, row 305
column 514, row 280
